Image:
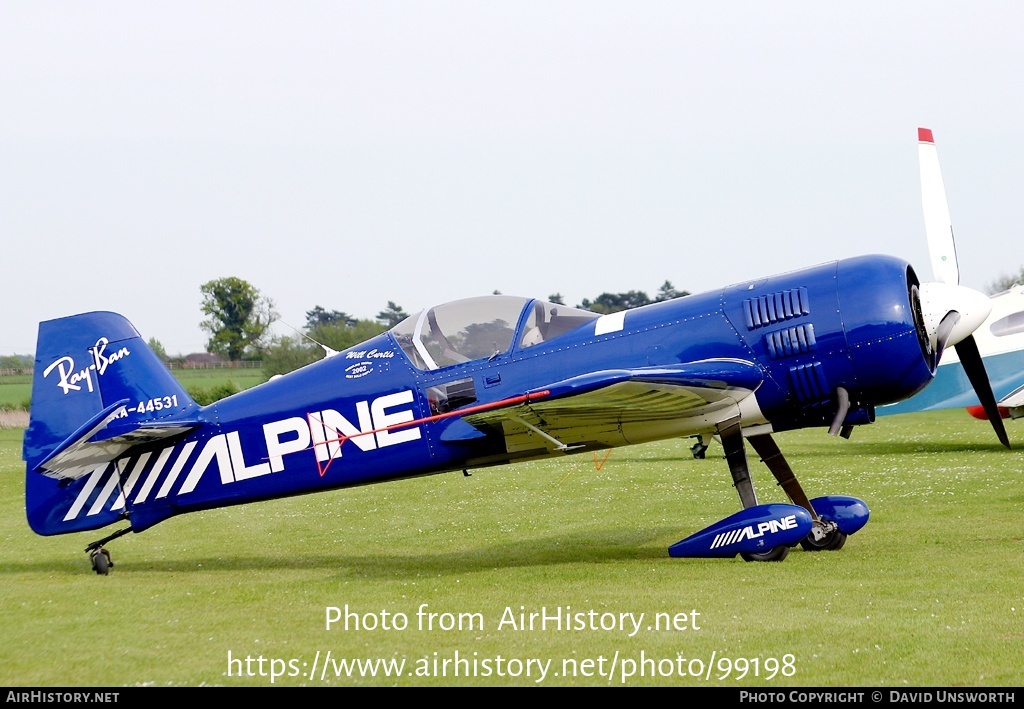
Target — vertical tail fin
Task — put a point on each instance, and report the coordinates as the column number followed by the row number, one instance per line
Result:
column 98, row 391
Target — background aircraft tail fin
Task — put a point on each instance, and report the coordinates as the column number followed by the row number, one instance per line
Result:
column 98, row 390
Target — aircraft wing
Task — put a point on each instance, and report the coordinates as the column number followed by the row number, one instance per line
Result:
column 1014, row 399
column 611, row 407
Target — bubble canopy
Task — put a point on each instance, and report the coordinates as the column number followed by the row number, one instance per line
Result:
column 483, row 328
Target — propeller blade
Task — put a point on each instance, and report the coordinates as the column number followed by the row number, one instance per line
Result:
column 970, row 358
column 942, row 335
column 937, row 223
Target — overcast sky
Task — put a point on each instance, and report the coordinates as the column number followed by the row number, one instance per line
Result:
column 344, row 154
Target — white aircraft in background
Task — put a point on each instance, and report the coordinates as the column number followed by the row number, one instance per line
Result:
column 999, row 341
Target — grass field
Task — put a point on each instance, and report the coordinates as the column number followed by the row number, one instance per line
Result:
column 929, row 593
column 15, row 391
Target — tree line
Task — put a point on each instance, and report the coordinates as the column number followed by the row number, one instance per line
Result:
column 16, row 361
column 239, row 318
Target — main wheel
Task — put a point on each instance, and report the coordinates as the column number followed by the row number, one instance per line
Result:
column 832, row 541
column 777, row 554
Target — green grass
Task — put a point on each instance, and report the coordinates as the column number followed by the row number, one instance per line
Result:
column 15, row 391
column 929, row 593
column 208, row 378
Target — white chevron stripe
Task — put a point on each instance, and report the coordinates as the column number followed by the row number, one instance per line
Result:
column 154, row 474
column 105, row 493
column 83, row 496
column 176, row 470
column 133, row 478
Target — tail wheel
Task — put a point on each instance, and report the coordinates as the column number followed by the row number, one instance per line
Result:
column 101, row 561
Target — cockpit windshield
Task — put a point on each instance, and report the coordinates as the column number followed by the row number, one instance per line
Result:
column 481, row 328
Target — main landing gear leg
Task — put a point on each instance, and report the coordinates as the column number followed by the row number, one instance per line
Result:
column 825, row 535
column 100, row 557
column 735, row 454
column 736, row 457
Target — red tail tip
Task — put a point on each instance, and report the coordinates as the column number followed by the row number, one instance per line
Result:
column 924, row 135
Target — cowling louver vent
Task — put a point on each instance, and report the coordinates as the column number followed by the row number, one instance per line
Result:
column 775, row 307
column 809, row 381
column 790, row 341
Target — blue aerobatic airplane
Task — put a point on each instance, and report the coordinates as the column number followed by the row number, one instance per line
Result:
column 491, row 380
column 1000, row 339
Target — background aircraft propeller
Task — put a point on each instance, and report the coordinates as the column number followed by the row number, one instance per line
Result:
column 951, row 312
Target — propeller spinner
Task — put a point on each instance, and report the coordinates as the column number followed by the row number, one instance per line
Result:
column 952, row 312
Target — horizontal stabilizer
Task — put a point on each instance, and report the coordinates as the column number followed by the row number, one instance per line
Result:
column 87, row 447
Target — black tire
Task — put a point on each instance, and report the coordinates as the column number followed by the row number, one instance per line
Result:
column 833, row 541
column 100, row 563
column 777, row 554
